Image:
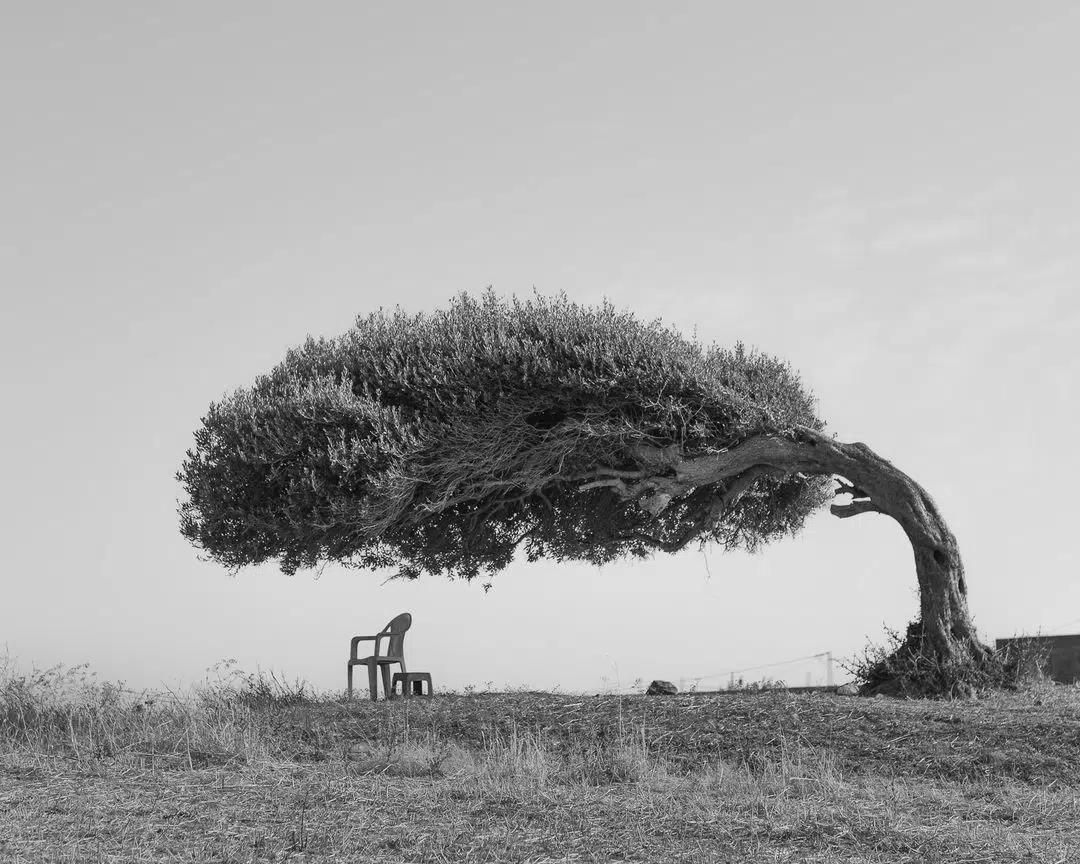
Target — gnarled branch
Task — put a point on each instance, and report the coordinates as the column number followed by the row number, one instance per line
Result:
column 851, row 489
column 845, row 511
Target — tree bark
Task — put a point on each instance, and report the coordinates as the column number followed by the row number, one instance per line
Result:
column 947, row 633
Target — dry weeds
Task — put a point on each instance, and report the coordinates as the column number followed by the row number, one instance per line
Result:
column 267, row 773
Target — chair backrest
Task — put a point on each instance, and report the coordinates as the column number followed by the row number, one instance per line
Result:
column 397, row 629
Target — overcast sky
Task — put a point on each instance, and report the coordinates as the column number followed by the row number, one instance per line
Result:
column 887, row 195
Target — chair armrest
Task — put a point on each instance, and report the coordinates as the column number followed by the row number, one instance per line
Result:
column 356, row 640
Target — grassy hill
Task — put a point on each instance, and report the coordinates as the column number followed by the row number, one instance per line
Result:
column 258, row 770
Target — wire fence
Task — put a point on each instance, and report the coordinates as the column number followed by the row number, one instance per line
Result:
column 738, row 676
column 1056, row 631
column 694, row 681
column 734, row 675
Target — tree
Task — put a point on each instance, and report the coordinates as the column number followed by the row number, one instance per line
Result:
column 445, row 442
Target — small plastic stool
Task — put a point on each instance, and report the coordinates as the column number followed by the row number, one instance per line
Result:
column 412, row 684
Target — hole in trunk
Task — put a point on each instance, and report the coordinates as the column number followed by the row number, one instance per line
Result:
column 940, row 558
column 962, row 585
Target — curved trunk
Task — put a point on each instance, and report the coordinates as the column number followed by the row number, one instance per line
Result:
column 947, row 633
column 876, row 485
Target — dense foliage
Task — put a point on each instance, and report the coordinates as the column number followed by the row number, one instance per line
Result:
column 442, row 442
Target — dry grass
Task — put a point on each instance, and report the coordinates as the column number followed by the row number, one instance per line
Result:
column 257, row 770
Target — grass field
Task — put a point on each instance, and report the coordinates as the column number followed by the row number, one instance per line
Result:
column 258, row 770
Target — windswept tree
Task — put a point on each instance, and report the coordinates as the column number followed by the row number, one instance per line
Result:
column 446, row 442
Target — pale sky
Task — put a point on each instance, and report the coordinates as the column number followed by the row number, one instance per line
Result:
column 887, row 195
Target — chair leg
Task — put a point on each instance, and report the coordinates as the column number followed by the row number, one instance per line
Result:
column 373, row 681
column 386, row 685
column 349, row 688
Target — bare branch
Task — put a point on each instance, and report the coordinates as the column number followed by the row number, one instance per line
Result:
column 615, row 472
column 845, row 511
column 721, row 503
column 849, row 489
column 664, row 489
column 657, row 457
column 481, row 490
column 614, row 483
column 741, row 483
column 658, row 487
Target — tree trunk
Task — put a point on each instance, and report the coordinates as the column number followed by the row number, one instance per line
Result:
column 876, row 485
column 945, row 633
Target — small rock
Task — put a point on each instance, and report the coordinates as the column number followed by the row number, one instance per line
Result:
column 661, row 688
column 847, row 690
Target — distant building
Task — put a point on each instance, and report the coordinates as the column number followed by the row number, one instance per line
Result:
column 1064, row 663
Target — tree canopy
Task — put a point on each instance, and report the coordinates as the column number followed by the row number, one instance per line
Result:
column 443, row 442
